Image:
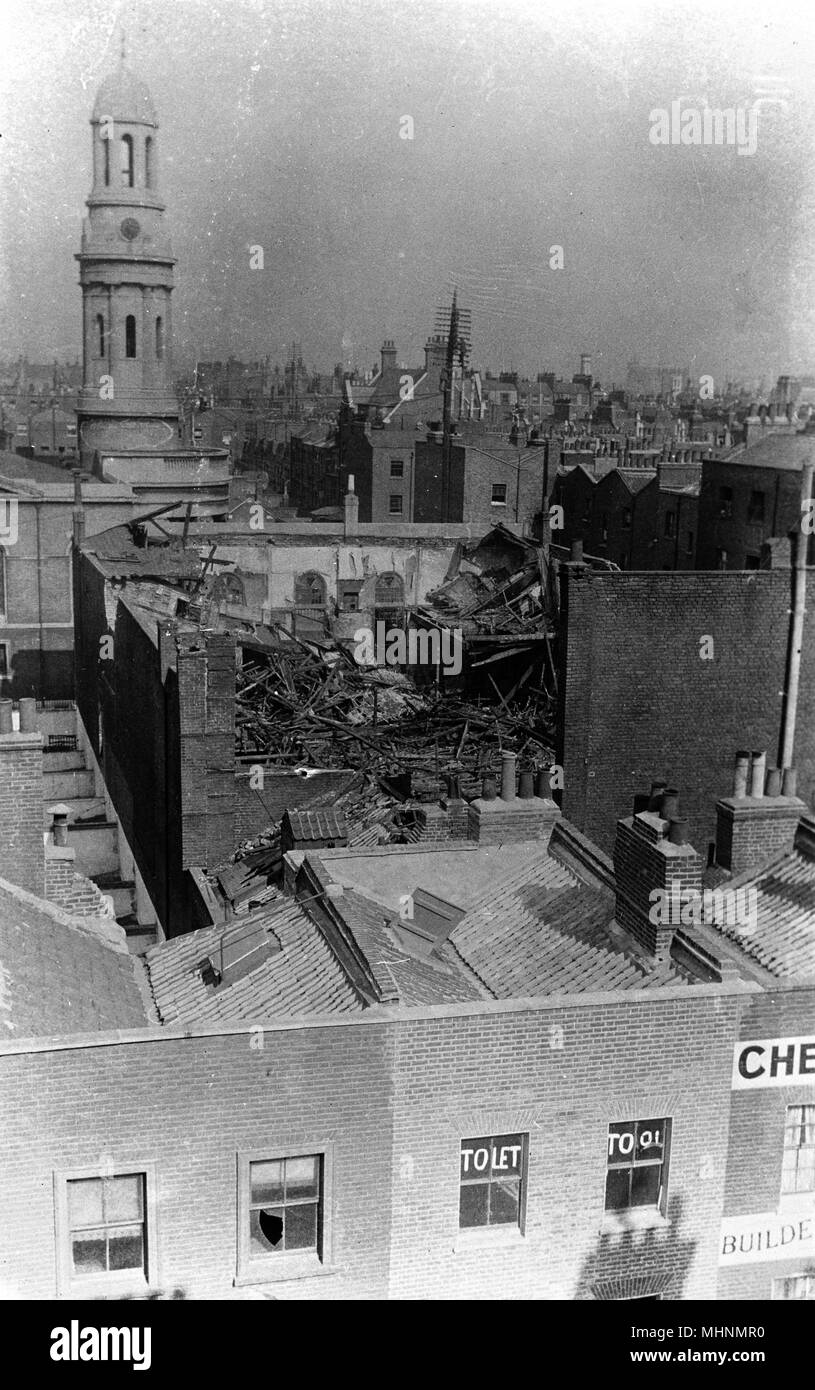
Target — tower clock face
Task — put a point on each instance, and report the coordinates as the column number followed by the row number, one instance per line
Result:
column 130, row 229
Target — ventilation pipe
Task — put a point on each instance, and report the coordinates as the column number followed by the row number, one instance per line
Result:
column 790, row 707
column 757, row 769
column 741, row 774
column 508, row 776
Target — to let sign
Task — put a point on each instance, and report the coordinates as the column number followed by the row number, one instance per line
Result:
column 774, row 1062
column 492, row 1158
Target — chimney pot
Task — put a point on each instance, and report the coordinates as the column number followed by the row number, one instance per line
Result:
column 790, row 782
column 669, row 804
column 657, row 791
column 507, row 776
column 28, row 715
column 773, row 784
column 678, row 830
column 577, row 552
column 757, row 767
column 741, row 774
column 526, row 786
column 542, row 785
column 489, row 789
column 6, row 720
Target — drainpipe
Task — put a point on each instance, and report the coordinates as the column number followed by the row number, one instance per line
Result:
column 790, row 707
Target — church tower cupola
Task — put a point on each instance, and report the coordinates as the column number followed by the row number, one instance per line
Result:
column 127, row 402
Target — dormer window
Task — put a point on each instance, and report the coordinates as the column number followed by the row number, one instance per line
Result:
column 126, row 149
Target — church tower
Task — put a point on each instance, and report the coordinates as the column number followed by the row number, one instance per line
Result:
column 127, row 401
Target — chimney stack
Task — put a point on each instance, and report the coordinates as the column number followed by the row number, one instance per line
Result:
column 754, row 826
column 388, row 352
column 351, row 510
column 652, row 853
column 22, row 850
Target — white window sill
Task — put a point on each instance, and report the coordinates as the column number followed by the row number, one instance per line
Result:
column 277, row 1270
column 487, row 1238
column 109, row 1286
column 635, row 1219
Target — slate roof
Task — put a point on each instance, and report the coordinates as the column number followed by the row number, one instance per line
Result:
column 302, row 978
column 544, row 931
column 403, row 978
column 785, row 452
column 325, row 824
column 57, row 979
column 782, row 939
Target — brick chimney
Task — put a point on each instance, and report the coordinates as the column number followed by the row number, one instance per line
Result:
column 651, row 852
column 760, row 818
column 351, row 510
column 509, row 818
column 22, row 852
column 388, row 351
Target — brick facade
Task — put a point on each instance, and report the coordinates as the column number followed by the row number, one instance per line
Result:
column 21, row 841
column 639, row 701
column 395, row 1097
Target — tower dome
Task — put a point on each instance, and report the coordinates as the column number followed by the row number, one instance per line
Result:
column 124, row 97
column 128, row 400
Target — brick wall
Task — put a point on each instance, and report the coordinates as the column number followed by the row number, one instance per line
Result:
column 637, row 701
column 735, row 532
column 22, row 854
column 396, row 1097
column 756, row 1147
column 256, row 810
column 71, row 891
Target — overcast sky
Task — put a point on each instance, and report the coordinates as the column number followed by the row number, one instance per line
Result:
column 280, row 126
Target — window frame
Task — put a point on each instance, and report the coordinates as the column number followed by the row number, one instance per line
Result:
column 392, row 498
column 644, row 1213
column 284, row 1264
column 5, row 659
column 498, row 501
column 113, row 1283
column 502, row 1230
column 780, row 1279
column 399, row 465
column 127, row 157
column 798, row 1196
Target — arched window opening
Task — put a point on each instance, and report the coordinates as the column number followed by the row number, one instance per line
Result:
column 2, row 582
column 127, row 161
column 106, row 144
column 148, row 161
column 130, row 336
column 309, row 590
column 100, row 331
column 159, row 337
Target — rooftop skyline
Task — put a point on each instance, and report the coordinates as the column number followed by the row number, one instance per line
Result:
column 284, row 126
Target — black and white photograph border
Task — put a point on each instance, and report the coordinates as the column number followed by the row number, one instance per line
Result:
column 407, row 680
